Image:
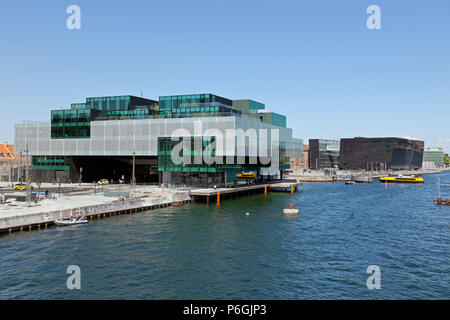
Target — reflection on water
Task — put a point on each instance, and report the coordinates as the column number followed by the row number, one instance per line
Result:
column 209, row 252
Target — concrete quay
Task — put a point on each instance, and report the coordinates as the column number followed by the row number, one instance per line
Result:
column 319, row 176
column 100, row 202
column 21, row 217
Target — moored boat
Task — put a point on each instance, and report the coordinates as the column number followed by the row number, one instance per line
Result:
column 362, row 178
column 71, row 222
column 246, row 175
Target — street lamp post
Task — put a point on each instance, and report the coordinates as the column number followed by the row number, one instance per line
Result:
column 27, row 178
column 20, row 180
column 134, row 168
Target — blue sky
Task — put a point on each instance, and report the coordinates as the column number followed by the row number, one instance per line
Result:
column 314, row 61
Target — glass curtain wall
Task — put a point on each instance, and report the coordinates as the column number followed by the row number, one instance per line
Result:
column 72, row 123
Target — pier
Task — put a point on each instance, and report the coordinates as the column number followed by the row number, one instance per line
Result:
column 39, row 221
column 224, row 193
column 44, row 216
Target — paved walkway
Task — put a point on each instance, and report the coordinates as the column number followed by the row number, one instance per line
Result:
column 72, row 201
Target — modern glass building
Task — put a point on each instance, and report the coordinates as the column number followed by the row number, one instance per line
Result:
column 75, row 123
column 381, row 153
column 323, row 154
column 433, row 157
column 99, row 138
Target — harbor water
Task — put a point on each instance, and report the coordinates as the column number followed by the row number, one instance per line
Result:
column 201, row 251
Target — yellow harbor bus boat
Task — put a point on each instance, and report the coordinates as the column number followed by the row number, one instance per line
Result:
column 246, row 175
column 401, row 179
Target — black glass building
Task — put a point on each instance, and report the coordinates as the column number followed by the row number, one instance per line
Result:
column 381, row 154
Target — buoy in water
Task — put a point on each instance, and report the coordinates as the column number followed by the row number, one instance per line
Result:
column 292, row 212
column 247, row 214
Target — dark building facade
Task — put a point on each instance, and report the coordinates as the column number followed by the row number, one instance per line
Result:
column 323, row 154
column 381, row 153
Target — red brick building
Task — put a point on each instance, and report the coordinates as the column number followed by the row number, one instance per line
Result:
column 300, row 163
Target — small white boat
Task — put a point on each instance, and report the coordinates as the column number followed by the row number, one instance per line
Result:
column 71, row 222
column 290, row 211
column 350, row 182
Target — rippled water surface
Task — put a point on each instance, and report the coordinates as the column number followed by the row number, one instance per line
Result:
column 204, row 252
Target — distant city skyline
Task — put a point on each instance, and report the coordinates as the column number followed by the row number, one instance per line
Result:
column 315, row 62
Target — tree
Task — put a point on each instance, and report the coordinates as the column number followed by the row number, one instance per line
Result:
column 446, row 159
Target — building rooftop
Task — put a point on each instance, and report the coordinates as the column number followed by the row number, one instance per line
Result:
column 434, row 149
column 7, row 152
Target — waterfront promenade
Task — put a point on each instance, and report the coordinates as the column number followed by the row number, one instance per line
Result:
column 345, row 175
column 21, row 215
column 94, row 201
